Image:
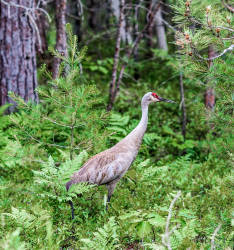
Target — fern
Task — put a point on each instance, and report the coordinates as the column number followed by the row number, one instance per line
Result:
column 12, row 241
column 143, row 222
column 117, row 125
column 37, row 221
column 21, row 217
column 50, row 181
column 105, row 238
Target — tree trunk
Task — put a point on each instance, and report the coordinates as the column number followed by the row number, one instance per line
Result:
column 18, row 72
column 112, row 88
column 210, row 94
column 74, row 16
column 149, row 32
column 125, row 29
column 61, row 45
column 183, row 107
column 42, row 24
column 94, row 20
column 160, row 31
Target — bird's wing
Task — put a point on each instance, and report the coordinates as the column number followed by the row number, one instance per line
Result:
column 100, row 169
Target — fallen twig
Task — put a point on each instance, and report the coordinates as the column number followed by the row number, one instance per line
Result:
column 213, row 236
column 166, row 237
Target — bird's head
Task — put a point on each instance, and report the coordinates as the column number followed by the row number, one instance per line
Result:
column 153, row 97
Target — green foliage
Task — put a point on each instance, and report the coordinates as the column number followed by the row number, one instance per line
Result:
column 69, row 108
column 105, row 238
column 12, row 241
column 42, row 145
column 50, row 180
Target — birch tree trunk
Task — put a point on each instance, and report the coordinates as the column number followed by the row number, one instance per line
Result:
column 61, row 45
column 18, row 72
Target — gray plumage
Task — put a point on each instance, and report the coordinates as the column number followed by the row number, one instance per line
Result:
column 110, row 165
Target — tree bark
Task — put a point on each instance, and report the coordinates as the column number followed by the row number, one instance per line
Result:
column 210, row 94
column 74, row 16
column 61, row 45
column 43, row 25
column 125, row 29
column 160, row 30
column 18, row 72
column 112, row 87
column 136, row 26
column 183, row 107
column 149, row 31
column 94, row 18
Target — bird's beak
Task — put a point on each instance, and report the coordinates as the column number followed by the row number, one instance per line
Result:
column 165, row 100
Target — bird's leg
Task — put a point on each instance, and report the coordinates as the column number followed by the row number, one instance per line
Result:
column 110, row 187
column 72, row 209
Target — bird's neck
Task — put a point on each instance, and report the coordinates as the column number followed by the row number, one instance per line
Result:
column 142, row 125
column 135, row 137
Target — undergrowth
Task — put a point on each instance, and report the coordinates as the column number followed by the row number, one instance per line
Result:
column 41, row 146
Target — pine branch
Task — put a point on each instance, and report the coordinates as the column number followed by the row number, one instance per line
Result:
column 230, row 48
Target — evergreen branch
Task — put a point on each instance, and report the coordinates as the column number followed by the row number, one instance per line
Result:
column 45, row 143
column 194, row 20
column 60, row 124
column 230, row 48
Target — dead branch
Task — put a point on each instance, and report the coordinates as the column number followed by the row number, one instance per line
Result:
column 213, row 236
column 166, row 237
column 230, row 48
column 230, row 8
column 228, row 38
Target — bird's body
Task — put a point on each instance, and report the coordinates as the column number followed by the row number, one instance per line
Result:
column 110, row 165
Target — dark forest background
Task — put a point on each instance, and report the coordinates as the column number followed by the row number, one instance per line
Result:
column 72, row 74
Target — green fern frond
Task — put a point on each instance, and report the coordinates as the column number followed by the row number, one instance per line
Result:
column 105, row 238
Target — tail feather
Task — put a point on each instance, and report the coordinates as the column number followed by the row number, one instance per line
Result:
column 68, row 184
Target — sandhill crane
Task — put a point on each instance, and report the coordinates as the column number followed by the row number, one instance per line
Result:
column 110, row 165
